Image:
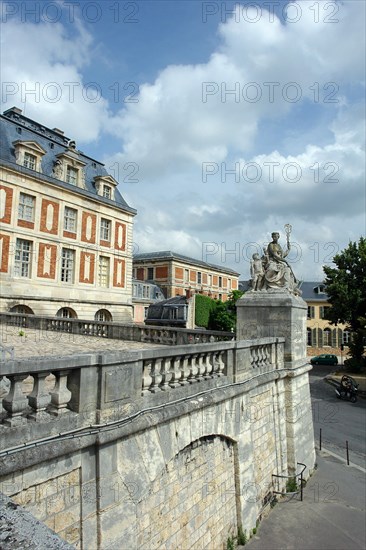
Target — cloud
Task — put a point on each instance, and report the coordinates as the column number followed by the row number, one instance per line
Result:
column 45, row 77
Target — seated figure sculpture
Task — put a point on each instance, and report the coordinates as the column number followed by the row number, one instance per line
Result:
column 277, row 272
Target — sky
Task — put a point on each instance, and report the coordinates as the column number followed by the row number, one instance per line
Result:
column 221, row 121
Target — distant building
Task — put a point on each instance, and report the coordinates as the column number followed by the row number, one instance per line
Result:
column 144, row 294
column 320, row 333
column 173, row 312
column 66, row 231
column 179, row 275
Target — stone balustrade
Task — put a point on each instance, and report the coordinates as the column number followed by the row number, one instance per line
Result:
column 95, row 387
column 170, row 336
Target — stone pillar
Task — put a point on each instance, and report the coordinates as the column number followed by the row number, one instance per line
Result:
column 278, row 313
column 274, row 313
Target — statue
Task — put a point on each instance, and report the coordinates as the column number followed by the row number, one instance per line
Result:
column 256, row 272
column 276, row 272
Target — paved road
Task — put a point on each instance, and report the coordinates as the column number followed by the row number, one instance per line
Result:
column 339, row 420
column 331, row 516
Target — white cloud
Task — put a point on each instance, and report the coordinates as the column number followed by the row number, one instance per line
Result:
column 45, row 77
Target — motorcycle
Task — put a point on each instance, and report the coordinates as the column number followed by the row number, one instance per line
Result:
column 347, row 389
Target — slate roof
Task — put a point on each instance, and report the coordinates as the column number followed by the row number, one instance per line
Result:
column 169, row 255
column 310, row 290
column 14, row 126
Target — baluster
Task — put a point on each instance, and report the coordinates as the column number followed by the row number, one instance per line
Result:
column 15, row 403
column 192, row 368
column 60, row 395
column 184, row 370
column 156, row 376
column 209, row 366
column 221, row 363
column 166, row 375
column 39, row 397
column 176, row 372
column 201, row 367
column 146, row 377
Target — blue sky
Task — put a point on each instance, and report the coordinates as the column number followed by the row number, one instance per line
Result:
column 220, row 127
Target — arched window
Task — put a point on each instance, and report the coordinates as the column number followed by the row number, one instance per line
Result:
column 327, row 337
column 66, row 313
column 308, row 336
column 20, row 308
column 103, row 315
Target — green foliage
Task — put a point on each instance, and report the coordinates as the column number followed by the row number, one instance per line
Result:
column 346, row 288
column 221, row 318
column 242, row 536
column 254, row 531
column 291, row 485
column 230, row 545
column 204, row 305
column 217, row 315
column 21, row 333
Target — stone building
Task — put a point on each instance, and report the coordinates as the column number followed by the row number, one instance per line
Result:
column 144, row 294
column 66, row 231
column 179, row 275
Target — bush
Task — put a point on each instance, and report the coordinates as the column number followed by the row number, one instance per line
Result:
column 353, row 365
column 204, row 306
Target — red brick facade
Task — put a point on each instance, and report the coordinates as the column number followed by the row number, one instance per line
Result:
column 6, row 200
column 88, row 227
column 47, row 259
column 119, row 273
column 87, row 267
column 120, row 236
column 4, row 248
column 49, row 217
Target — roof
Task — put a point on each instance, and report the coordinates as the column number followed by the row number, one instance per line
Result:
column 16, row 127
column 169, row 255
column 311, row 290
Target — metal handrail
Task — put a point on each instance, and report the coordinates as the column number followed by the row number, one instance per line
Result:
column 300, row 474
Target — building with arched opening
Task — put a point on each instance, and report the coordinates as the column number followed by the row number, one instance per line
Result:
column 66, row 231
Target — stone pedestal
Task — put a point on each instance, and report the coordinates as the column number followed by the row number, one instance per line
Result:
column 274, row 313
column 278, row 313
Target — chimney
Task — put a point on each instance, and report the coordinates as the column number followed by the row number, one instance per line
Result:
column 58, row 131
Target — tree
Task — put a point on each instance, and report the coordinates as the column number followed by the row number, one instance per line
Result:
column 346, row 289
column 223, row 315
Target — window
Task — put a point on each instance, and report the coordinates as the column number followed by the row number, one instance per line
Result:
column 322, row 311
column 70, row 219
column 23, row 258
column 311, row 312
column 308, row 333
column 186, row 275
column 199, row 277
column 71, row 175
column 210, row 280
column 150, row 273
column 107, row 192
column 103, row 273
column 146, row 291
column 346, row 337
column 105, row 230
column 229, row 283
column 67, row 265
column 30, row 161
column 26, row 207
column 326, row 337
column 220, row 282
column 66, row 313
column 103, row 315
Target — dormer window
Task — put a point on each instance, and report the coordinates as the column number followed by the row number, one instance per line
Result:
column 29, row 154
column 107, row 192
column 71, row 175
column 30, row 161
column 105, row 186
column 69, row 168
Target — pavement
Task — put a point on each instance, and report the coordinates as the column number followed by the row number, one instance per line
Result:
column 331, row 515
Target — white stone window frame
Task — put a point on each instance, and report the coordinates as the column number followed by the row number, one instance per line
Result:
column 23, row 258
column 104, row 264
column 105, row 229
column 26, row 149
column 70, row 219
column 67, row 265
column 68, row 161
column 26, row 207
column 102, row 183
